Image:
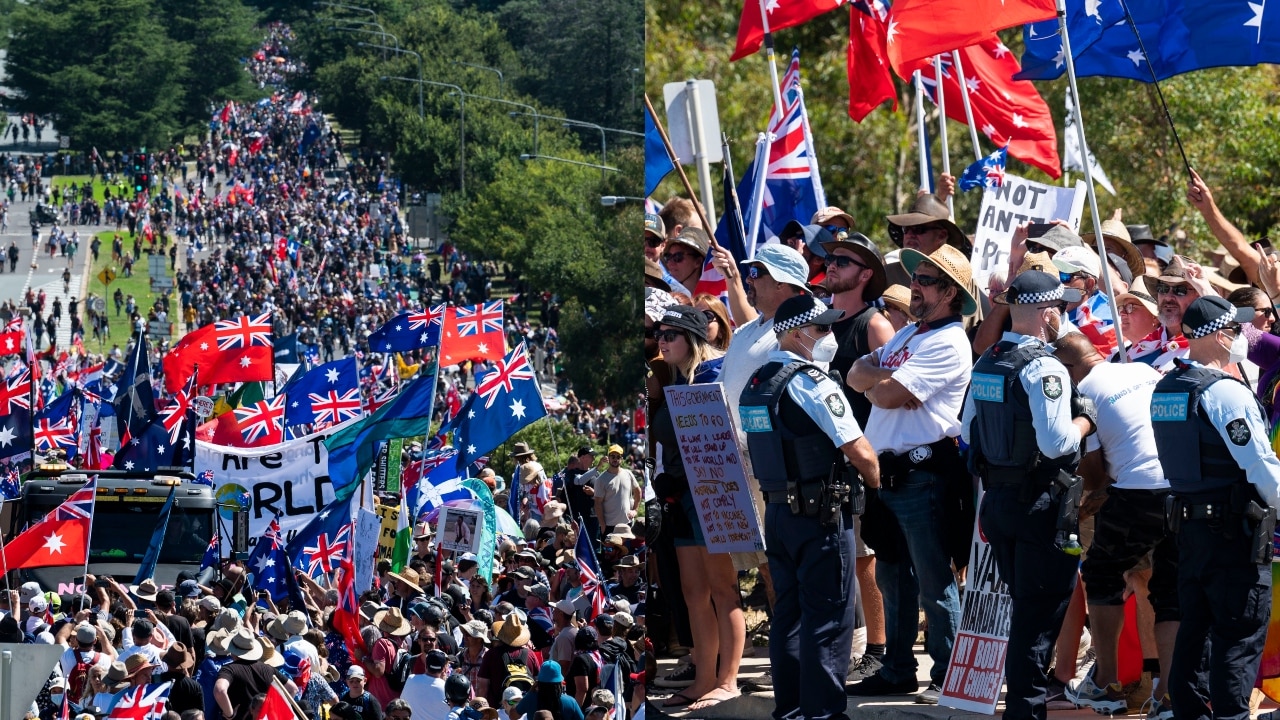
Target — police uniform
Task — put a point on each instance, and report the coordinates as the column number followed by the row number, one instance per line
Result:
column 1225, row 479
column 1018, row 422
column 796, row 419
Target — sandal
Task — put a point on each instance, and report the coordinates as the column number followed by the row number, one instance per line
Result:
column 679, row 700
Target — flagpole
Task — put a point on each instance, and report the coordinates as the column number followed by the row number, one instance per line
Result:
column 968, row 108
column 1088, row 181
column 769, row 57
column 684, row 178
column 88, row 543
column 942, row 126
column 921, row 137
column 764, row 142
column 1133, row 25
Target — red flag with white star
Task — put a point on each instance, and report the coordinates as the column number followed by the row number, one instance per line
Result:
column 472, row 332
column 228, row 351
column 923, row 28
column 1007, row 111
column 870, row 82
column 61, row 538
column 782, row 14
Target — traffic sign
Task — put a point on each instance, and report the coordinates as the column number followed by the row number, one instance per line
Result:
column 158, row 328
column 107, row 276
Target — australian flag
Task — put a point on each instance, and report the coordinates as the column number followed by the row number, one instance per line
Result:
column 135, row 401
column 326, row 395
column 211, row 554
column 55, row 425
column 1179, row 36
column 985, row 173
column 793, row 187
column 324, row 541
column 409, row 331
column 589, row 572
column 506, row 399
column 9, row 488
column 269, row 563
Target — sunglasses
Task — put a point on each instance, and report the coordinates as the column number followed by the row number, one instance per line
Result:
column 668, row 335
column 1175, row 290
column 1065, row 278
column 753, row 272
column 674, row 257
column 1234, row 328
column 836, row 229
column 1035, row 247
column 710, row 316
column 843, row 261
column 920, row 229
column 654, row 241
column 1267, row 311
column 821, row 329
column 925, row 280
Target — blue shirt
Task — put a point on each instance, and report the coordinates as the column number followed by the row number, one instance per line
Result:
column 569, row 709
column 1233, row 410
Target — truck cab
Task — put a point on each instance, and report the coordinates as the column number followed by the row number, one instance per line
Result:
column 125, row 515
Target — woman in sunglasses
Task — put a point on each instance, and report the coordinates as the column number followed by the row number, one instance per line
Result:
column 709, row 582
column 719, row 331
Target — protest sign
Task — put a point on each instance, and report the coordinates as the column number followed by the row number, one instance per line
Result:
column 389, row 517
column 976, row 672
column 368, row 531
column 291, row 478
column 460, row 529
column 713, row 462
column 1017, row 201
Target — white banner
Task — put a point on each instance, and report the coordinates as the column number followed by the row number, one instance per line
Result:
column 368, row 525
column 291, row 478
column 1017, row 201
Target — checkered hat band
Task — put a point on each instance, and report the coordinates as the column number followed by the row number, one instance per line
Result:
column 1046, row 296
column 1213, row 327
column 799, row 320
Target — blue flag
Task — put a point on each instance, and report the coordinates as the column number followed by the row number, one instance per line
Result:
column 15, row 433
column 324, row 541
column 169, row 441
column 55, row 425
column 9, row 487
column 135, row 401
column 309, row 136
column 506, row 399
column 324, row 396
column 212, row 554
column 985, row 173
column 351, row 449
column 408, row 331
column 269, row 564
column 147, row 568
column 657, row 164
column 1180, row 36
column 286, row 349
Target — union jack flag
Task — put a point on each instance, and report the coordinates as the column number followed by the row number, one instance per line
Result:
column 204, row 478
column 380, row 398
column 501, row 379
column 9, row 488
column 589, row 572
column 211, row 554
column 80, row 505
column 481, row 318
column 50, row 434
column 142, row 703
column 243, row 332
column 427, row 318
column 15, row 392
column 326, row 554
column 332, row 408
column 175, row 413
column 264, row 418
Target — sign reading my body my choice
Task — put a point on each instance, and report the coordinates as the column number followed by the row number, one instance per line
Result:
column 713, row 463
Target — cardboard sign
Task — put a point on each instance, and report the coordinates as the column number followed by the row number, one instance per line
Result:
column 713, row 463
column 1017, row 201
column 389, row 518
column 976, row 673
column 459, row 529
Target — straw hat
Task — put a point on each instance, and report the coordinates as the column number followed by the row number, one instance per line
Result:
column 899, row 297
column 511, row 631
column 136, row 663
column 409, row 577
column 270, row 655
column 244, row 646
column 391, row 622
column 952, row 263
column 146, row 589
column 1116, row 241
column 926, row 209
column 117, row 677
column 1138, row 293
column 1037, row 261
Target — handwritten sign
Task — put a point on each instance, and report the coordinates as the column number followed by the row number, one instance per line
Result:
column 976, row 672
column 713, row 462
column 1004, row 208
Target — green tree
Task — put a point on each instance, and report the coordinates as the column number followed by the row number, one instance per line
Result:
column 218, row 34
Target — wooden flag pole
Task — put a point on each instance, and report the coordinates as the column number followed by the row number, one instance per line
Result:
column 671, row 153
column 1088, row 181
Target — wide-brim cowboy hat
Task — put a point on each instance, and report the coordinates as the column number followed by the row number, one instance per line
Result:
column 409, row 577
column 117, row 677
column 511, row 631
column 521, row 450
column 244, row 646
column 147, row 590
column 270, row 655
column 868, row 254
column 177, row 656
column 1115, row 240
column 950, row 262
column 897, row 296
column 391, row 622
column 924, row 210
column 136, row 663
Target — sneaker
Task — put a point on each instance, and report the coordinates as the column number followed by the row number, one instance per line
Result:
column 877, row 685
column 761, row 683
column 869, row 665
column 929, row 695
column 682, row 677
column 1055, row 696
column 1139, row 694
column 1110, row 700
column 1161, row 709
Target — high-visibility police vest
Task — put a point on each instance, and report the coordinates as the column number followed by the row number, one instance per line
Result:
column 1192, row 452
column 786, row 445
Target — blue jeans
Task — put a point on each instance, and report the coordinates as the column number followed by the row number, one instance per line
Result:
column 923, row 573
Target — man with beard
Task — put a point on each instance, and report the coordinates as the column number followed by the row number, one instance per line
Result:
column 1179, row 285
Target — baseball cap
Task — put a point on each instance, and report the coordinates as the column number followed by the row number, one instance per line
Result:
column 1033, row 287
column 783, row 263
column 437, row 660
column 30, row 590
column 512, row 695
column 585, row 450
column 85, row 633
column 685, row 317
column 827, row 214
column 1207, row 315
column 653, row 224
column 1072, row 260
column 188, row 589
column 815, row 236
column 695, row 238
column 566, row 606
column 355, row 671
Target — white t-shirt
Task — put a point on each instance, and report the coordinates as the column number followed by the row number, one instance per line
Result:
column 425, row 695
column 1122, row 393
column 934, row 366
column 68, row 661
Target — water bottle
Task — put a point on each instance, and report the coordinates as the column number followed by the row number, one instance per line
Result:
column 1072, row 546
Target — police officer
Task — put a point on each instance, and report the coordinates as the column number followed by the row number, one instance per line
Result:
column 799, row 432
column 1225, row 481
column 1025, row 425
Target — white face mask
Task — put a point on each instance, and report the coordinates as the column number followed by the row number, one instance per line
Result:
column 1239, row 349
column 824, row 349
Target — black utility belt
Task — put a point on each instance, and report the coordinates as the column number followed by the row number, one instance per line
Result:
column 941, row 458
column 825, row 499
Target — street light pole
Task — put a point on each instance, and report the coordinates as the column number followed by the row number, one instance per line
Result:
column 603, row 168
column 366, row 30
column 421, row 113
column 502, row 82
column 347, row 7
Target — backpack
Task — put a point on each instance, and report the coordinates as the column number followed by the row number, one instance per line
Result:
column 398, row 674
column 613, row 653
column 80, row 673
column 518, row 675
